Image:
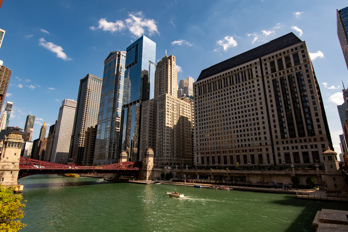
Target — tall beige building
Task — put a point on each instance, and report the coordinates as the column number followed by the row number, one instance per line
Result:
column 263, row 106
column 5, row 75
column 186, row 87
column 166, row 80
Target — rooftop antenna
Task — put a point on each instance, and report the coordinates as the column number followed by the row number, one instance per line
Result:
column 343, row 85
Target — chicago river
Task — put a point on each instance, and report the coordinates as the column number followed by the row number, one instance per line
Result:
column 56, row 203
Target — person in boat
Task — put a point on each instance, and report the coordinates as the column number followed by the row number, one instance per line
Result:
column 175, row 192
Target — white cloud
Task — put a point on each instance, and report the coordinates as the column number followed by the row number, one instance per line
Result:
column 330, row 87
column 20, row 86
column 181, row 42
column 54, row 48
column 27, row 80
column 227, row 42
column 178, row 68
column 297, row 14
column 297, row 29
column 39, row 119
column 109, row 26
column 263, row 36
column 316, row 55
column 57, row 100
column 137, row 25
column 19, row 79
column 171, row 22
column 39, row 123
column 336, row 98
column 8, row 94
column 29, row 36
column 51, row 88
column 31, row 87
column 267, row 33
column 44, row 31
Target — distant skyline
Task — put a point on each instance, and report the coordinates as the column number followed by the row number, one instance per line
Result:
column 51, row 45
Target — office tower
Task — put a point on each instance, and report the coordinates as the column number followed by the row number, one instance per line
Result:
column 5, row 117
column 148, row 127
column 39, row 145
column 2, row 35
column 109, row 118
column 263, row 106
column 62, row 138
column 43, row 131
column 29, row 125
column 186, row 87
column 343, row 113
column 27, row 149
column 342, row 31
column 166, row 77
column 5, row 75
column 86, row 114
column 88, row 152
column 139, row 86
column 49, row 144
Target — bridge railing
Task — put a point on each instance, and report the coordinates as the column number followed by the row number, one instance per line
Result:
column 29, row 164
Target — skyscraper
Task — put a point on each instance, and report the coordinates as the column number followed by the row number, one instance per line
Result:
column 2, row 35
column 109, row 118
column 139, row 86
column 263, row 106
column 166, row 80
column 43, row 131
column 5, row 117
column 186, row 87
column 29, row 125
column 62, row 138
column 86, row 114
column 342, row 31
column 5, row 75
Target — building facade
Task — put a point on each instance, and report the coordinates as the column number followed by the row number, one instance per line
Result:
column 49, row 144
column 86, row 115
column 139, row 86
column 109, row 118
column 166, row 80
column 262, row 107
column 88, row 153
column 5, row 117
column 342, row 31
column 62, row 138
column 5, row 75
column 29, row 125
column 186, row 87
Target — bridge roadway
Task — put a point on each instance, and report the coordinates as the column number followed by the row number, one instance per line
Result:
column 28, row 166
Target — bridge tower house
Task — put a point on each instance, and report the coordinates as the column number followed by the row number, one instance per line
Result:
column 148, row 165
column 10, row 153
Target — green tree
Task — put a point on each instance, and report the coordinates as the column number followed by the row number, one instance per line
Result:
column 295, row 180
column 310, row 181
column 10, row 210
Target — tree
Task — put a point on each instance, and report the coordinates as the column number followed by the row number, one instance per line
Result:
column 10, row 210
column 310, row 181
column 295, row 180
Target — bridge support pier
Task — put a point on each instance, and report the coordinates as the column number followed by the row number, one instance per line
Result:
column 148, row 165
column 11, row 147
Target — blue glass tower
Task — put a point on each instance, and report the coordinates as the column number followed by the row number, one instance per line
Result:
column 342, row 31
column 139, row 86
column 109, row 118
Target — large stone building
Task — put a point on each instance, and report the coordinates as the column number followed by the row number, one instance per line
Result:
column 49, row 143
column 62, row 138
column 109, row 118
column 262, row 107
column 5, row 75
column 88, row 152
column 166, row 77
column 86, row 115
column 342, row 31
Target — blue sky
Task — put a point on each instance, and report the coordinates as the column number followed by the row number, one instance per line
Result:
column 51, row 45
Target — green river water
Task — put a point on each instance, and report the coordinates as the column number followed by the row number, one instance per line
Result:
column 56, row 203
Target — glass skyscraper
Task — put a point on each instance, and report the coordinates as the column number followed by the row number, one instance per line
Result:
column 342, row 31
column 109, row 118
column 139, row 86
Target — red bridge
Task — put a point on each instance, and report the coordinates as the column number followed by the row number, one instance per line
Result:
column 29, row 166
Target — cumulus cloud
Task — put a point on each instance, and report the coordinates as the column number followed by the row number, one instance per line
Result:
column 337, row 98
column 31, row 87
column 297, row 14
column 20, row 86
column 54, row 48
column 316, row 55
column 264, row 34
column 44, row 31
column 109, row 26
column 227, row 42
column 51, row 88
column 330, row 87
column 39, row 123
column 135, row 23
column 178, row 68
column 297, row 29
column 181, row 42
column 8, row 94
column 39, row 119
